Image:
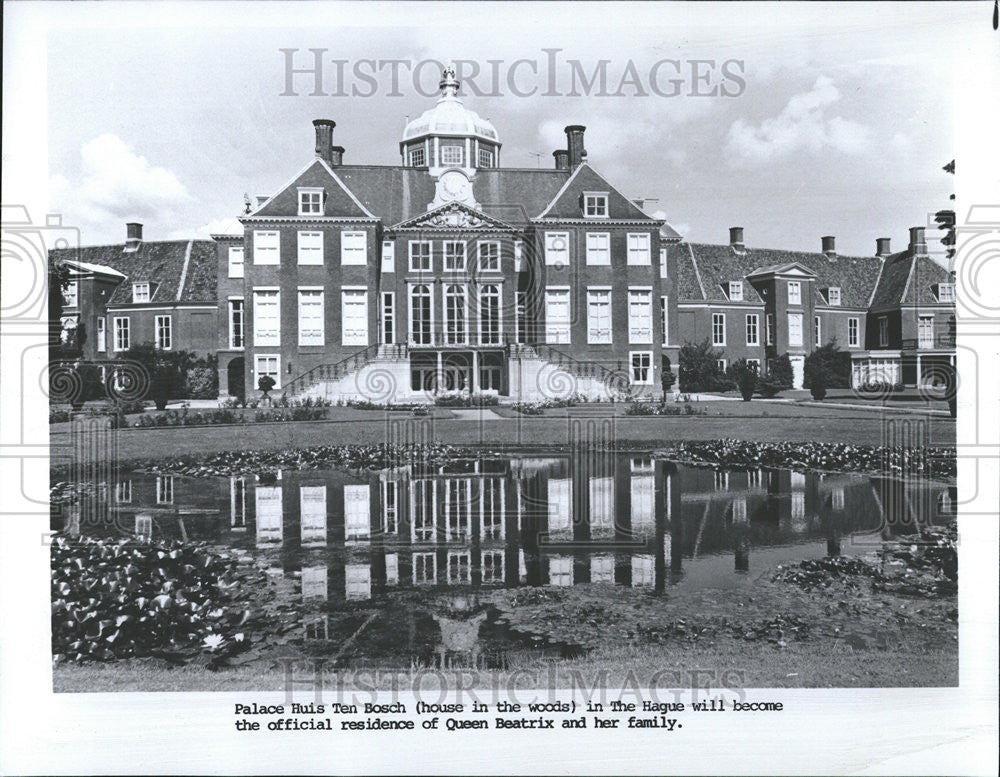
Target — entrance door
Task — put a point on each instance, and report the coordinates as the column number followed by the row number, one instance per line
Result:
column 235, row 377
column 798, row 368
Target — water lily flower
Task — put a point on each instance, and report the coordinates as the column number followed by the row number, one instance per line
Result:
column 213, row 641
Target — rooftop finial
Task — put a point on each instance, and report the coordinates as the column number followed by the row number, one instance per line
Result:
column 449, row 82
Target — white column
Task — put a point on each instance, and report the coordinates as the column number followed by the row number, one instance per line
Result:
column 440, row 371
column 918, row 370
column 474, row 378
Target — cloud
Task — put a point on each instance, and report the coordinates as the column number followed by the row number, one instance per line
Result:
column 228, row 225
column 802, row 126
column 608, row 139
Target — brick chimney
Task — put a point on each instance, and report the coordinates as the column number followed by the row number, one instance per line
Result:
column 336, row 156
column 736, row 238
column 133, row 235
column 562, row 159
column 918, row 245
column 324, row 138
column 829, row 246
column 882, row 246
column 574, row 145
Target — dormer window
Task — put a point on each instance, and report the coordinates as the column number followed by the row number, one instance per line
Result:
column 833, row 295
column 417, row 158
column 485, row 157
column 595, row 205
column 736, row 291
column 140, row 292
column 946, row 292
column 310, row 202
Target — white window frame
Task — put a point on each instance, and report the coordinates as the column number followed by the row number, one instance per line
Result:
column 558, row 333
column 794, row 292
column 598, row 254
column 663, row 262
column 722, row 364
column 164, row 489
column 752, row 327
column 388, row 256
column 350, row 335
column 883, row 331
column 266, row 246
column 735, row 291
column 310, row 246
column 946, row 292
column 102, row 334
column 518, row 255
column 487, row 263
column 665, row 317
column 923, row 342
column 308, row 334
column 632, row 368
column 424, row 578
column 71, row 295
column 353, row 255
column 769, row 332
column 796, row 336
column 266, row 338
column 640, row 325
column 448, row 252
column 257, row 373
column 310, row 201
column 141, row 292
column 639, row 251
column 598, row 334
column 595, row 205
column 418, row 157
column 718, row 329
column 818, row 331
column 231, row 309
column 457, row 161
column 853, row 332
column 122, row 333
column 163, row 324
column 485, row 158
column 483, row 293
column 388, row 312
column 450, row 336
column 236, row 265
column 430, row 255
column 557, row 257
column 413, row 329
column 833, row 296
column 755, row 363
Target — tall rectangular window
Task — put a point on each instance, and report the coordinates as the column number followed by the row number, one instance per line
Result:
column 485, row 158
column 236, row 261
column 310, row 202
column 353, row 247
column 357, row 512
column 310, row 247
column 642, row 367
column 421, row 315
column 354, row 317
column 883, row 331
column 663, row 262
column 665, row 319
column 235, row 323
column 557, row 249
column 640, row 316
column 388, row 317
column 602, row 507
column 795, row 329
column 925, row 331
column 718, row 329
column 518, row 255
column 489, row 257
column 417, row 158
column 455, row 315
column 638, row 248
column 71, row 295
column 102, row 334
column 794, row 293
column 420, row 256
column 599, row 316
column 312, row 515
column 164, row 489
column 266, row 246
column 140, row 292
column 853, row 332
column 559, row 505
column 770, row 328
column 123, row 338
column 599, row 248
column 164, row 333
column 266, row 317
column 311, row 329
column 817, row 326
column 557, row 315
column 388, row 256
column 520, row 317
column 753, row 329
column 489, row 314
column 454, row 256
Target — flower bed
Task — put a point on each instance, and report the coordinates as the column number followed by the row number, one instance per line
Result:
column 653, row 408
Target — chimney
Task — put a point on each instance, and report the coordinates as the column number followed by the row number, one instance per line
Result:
column 829, row 246
column 574, row 144
column 736, row 238
column 336, row 156
column 882, row 246
column 133, row 235
column 918, row 245
column 324, row 138
column 562, row 159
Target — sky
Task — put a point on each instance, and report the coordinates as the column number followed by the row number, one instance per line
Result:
column 834, row 119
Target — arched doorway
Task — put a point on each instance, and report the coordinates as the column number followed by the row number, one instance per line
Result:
column 235, row 377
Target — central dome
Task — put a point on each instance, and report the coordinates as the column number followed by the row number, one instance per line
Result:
column 449, row 116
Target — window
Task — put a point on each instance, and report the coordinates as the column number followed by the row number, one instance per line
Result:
column 718, row 329
column 266, row 247
column 235, row 261
column 598, row 248
column 388, row 317
column 390, row 507
column 238, row 504
column 489, row 257
column 235, row 323
column 721, row 364
column 642, row 499
column 164, row 489
column 353, row 247
column 595, row 206
column 665, row 319
column 557, row 248
column 269, row 515
column 489, row 315
column 721, row 480
column 310, row 247
column 754, row 364
column 357, row 512
column 102, row 334
column 518, row 255
column 794, row 293
column 753, row 329
column 424, row 568
column 267, row 364
column 310, row 202
column 795, row 329
column 144, row 527
column 638, row 248
column 492, row 566
column 833, row 295
column 560, row 570
column 643, row 571
column 946, row 292
column 837, row 498
column 818, row 329
column 736, row 291
column 599, row 316
column 70, row 295
column 853, row 332
column 122, row 335
column 925, row 331
column 123, row 491
column 455, row 324
column 388, row 256
column 485, row 157
column 420, row 256
column 770, row 328
column 140, row 292
column 417, row 157
column 642, row 367
column 739, row 510
column 452, row 155
column 883, row 331
column 602, row 507
column 557, row 315
column 311, row 317
column 559, row 504
column 164, row 333
column 266, row 317
column 663, row 262
column 459, row 567
column 520, row 317
column 312, row 512
column 454, row 256
column 421, row 315
column 354, row 317
column 640, row 316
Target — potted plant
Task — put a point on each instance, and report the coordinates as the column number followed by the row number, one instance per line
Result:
column 265, row 383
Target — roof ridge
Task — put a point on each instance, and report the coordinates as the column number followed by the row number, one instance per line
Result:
column 697, row 273
column 184, row 271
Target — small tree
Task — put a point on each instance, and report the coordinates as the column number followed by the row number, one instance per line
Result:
column 745, row 376
column 265, row 383
column 165, row 371
column 780, row 372
column 699, row 368
column 833, row 363
column 667, row 377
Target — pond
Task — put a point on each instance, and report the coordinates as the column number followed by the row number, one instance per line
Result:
column 408, row 555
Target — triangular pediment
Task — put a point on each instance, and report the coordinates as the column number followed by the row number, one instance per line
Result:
column 791, row 268
column 454, row 215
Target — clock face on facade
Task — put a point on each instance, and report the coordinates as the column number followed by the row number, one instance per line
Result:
column 453, row 186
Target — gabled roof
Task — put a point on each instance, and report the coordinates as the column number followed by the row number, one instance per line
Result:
column 339, row 200
column 567, row 202
column 177, row 270
column 789, row 268
column 451, row 215
column 81, row 268
column 909, row 280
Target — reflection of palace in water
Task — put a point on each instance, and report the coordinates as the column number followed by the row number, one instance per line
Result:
column 590, row 517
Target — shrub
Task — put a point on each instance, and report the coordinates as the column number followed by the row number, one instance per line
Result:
column 832, row 362
column 201, row 383
column 651, row 408
column 57, row 416
column 529, row 408
column 130, row 406
column 265, row 383
column 779, row 370
column 461, row 399
column 767, row 387
column 880, row 387
column 818, row 386
column 745, row 376
column 699, row 368
column 667, row 377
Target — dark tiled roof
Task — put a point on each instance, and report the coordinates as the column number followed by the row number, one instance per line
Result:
column 926, row 274
column 586, row 179
column 855, row 275
column 687, row 278
column 892, row 284
column 159, row 263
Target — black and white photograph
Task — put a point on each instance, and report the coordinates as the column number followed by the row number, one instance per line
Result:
column 623, row 372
